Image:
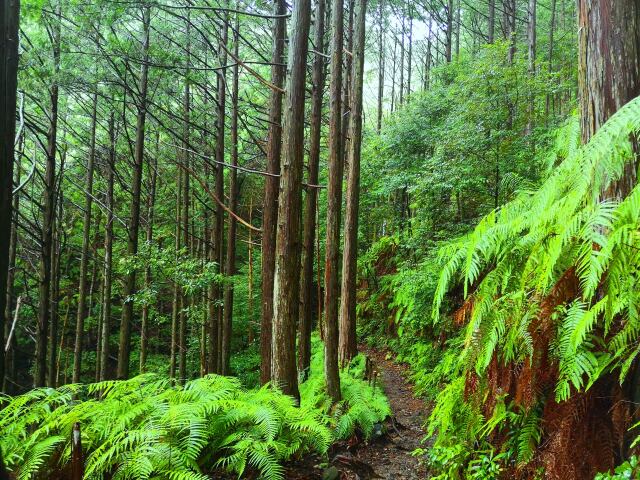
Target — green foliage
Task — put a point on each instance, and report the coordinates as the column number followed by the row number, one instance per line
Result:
column 521, row 252
column 148, row 428
column 627, row 471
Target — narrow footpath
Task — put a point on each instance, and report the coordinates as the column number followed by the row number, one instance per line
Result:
column 385, row 456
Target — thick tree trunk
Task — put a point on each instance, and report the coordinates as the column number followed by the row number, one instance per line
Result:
column 311, row 200
column 287, row 272
column 334, row 206
column 270, row 207
column 46, row 241
column 230, row 263
column 9, row 19
column 348, row 342
column 108, row 251
column 129, row 290
column 84, row 256
column 609, row 65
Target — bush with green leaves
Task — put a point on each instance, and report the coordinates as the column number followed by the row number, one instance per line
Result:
column 520, row 252
column 146, row 427
column 627, row 471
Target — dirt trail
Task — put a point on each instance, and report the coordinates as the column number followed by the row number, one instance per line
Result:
column 388, row 456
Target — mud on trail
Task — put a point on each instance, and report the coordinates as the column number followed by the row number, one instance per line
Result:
column 388, row 454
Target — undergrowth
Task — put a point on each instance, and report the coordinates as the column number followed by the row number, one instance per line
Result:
column 147, row 428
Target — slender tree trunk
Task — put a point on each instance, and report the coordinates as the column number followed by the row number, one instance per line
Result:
column 176, row 304
column 151, row 200
column 311, row 199
column 380, row 64
column 270, row 207
column 348, row 342
column 84, row 256
column 552, row 27
column 46, row 241
column 287, row 272
column 409, row 52
column 491, row 35
column 11, row 272
column 55, row 280
column 334, row 206
column 9, row 20
column 186, row 199
column 108, row 251
column 218, row 228
column 402, row 51
column 230, row 263
column 129, row 290
column 531, row 40
column 457, row 28
column 449, row 42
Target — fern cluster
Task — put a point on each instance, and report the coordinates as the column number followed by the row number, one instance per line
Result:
column 148, row 428
column 566, row 234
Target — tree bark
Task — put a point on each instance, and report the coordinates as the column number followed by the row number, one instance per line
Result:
column 491, row 22
column 334, row 206
column 380, row 65
column 129, row 290
column 151, row 201
column 218, row 227
column 348, row 343
column 270, row 207
column 108, row 254
column 608, row 70
column 84, row 256
column 46, row 240
column 311, row 199
column 230, row 263
column 9, row 20
column 287, row 271
column 449, row 41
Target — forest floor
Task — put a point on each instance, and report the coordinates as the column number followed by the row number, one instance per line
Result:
column 388, row 454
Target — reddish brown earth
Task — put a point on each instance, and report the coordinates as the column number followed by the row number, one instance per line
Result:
column 388, row 456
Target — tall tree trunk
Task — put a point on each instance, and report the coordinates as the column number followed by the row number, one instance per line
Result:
column 552, row 26
column 402, row 51
column 311, row 199
column 609, row 70
column 218, row 228
column 287, row 271
column 55, row 278
column 46, row 241
column 176, row 303
column 348, row 342
column 449, row 33
column 491, row 34
column 334, row 206
column 9, row 357
column 458, row 26
column 410, row 51
column 108, row 251
column 124, row 350
column 531, row 41
column 9, row 19
column 380, row 64
column 84, row 256
column 186, row 198
column 270, row 207
column 230, row 263
column 151, row 201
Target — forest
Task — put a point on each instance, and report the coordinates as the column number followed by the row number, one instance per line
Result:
column 328, row 239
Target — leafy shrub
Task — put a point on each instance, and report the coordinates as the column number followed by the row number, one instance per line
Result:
column 146, row 427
